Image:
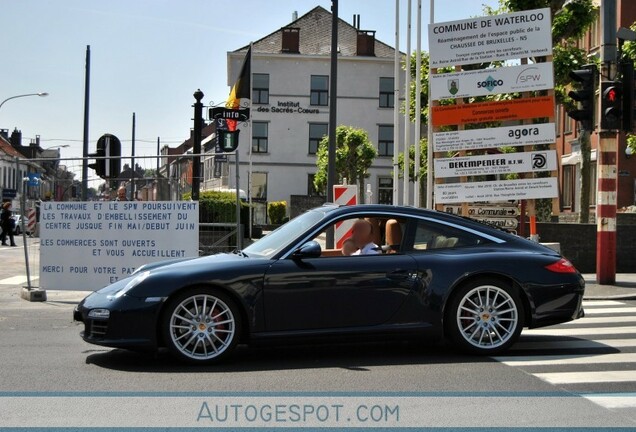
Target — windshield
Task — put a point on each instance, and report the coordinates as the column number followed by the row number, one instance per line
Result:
column 284, row 235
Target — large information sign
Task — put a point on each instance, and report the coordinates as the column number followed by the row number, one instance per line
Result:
column 488, row 38
column 88, row 245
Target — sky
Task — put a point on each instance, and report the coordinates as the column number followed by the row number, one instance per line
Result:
column 149, row 57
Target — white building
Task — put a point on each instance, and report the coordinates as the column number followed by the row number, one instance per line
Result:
column 290, row 104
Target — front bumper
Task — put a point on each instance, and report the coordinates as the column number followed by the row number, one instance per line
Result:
column 132, row 322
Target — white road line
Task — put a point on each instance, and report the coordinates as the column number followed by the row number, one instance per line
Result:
column 617, row 310
column 598, row 303
column 603, row 320
column 576, row 359
column 587, row 377
column 16, row 280
column 613, row 401
column 580, row 331
column 574, row 344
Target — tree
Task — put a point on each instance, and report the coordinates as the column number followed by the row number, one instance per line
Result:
column 423, row 167
column 354, row 156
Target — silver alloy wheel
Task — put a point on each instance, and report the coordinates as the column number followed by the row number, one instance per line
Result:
column 202, row 327
column 487, row 317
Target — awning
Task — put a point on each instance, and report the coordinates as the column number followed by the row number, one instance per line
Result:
column 575, row 158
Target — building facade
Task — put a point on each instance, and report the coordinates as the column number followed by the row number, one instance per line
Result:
column 290, row 106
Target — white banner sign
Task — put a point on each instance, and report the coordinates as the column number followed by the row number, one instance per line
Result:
column 497, row 190
column 497, row 37
column 507, row 136
column 86, row 246
column 505, row 163
column 484, row 82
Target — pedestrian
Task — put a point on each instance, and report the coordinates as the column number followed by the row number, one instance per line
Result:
column 121, row 194
column 7, row 223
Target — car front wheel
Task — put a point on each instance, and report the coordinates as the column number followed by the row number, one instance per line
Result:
column 201, row 326
column 485, row 317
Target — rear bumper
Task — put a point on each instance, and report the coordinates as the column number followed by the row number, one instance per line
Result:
column 556, row 303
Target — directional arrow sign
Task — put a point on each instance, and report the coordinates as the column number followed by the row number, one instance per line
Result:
column 487, row 211
column 506, row 223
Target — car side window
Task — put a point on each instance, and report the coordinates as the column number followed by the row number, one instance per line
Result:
column 431, row 235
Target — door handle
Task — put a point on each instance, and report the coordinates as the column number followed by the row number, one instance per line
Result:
column 399, row 274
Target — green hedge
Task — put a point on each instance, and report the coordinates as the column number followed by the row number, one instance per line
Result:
column 277, row 210
column 219, row 207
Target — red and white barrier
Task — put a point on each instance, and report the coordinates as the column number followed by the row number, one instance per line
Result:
column 344, row 195
column 31, row 220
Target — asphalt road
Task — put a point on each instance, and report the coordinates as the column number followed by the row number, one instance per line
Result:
column 555, row 377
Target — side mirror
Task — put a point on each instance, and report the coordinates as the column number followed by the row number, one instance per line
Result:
column 309, row 250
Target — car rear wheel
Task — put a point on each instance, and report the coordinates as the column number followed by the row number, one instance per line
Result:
column 485, row 316
column 201, row 326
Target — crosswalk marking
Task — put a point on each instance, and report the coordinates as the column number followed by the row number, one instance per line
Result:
column 595, row 303
column 602, row 320
column 616, row 310
column 546, row 360
column 581, row 331
column 587, row 377
column 573, row 344
column 608, row 325
column 614, row 400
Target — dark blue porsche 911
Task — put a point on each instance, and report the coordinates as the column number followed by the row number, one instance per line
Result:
column 426, row 274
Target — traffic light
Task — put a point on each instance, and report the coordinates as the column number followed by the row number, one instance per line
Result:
column 100, row 164
column 227, row 140
column 611, row 105
column 627, row 73
column 584, row 95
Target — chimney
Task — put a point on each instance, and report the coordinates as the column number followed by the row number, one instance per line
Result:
column 366, row 43
column 294, row 15
column 4, row 133
column 16, row 138
column 291, row 40
column 37, row 140
column 356, row 21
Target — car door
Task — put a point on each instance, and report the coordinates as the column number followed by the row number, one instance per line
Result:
column 336, row 292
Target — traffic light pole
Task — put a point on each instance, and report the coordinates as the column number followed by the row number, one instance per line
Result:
column 606, row 162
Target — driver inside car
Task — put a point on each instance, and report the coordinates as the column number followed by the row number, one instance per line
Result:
column 362, row 235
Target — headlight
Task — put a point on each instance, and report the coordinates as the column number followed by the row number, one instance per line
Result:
column 99, row 313
column 133, row 283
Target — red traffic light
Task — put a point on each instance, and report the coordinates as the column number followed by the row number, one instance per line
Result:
column 611, row 94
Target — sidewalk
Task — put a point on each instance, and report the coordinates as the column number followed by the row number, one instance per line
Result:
column 624, row 289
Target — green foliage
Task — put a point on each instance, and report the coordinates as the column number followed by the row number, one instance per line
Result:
column 631, row 142
column 354, row 156
column 423, row 159
column 219, row 207
column 276, row 210
column 629, row 48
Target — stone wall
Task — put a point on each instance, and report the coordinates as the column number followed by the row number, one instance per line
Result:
column 578, row 243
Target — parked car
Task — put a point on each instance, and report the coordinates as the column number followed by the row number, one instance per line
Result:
column 17, row 230
column 436, row 275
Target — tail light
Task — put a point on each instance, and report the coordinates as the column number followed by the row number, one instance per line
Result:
column 561, row 266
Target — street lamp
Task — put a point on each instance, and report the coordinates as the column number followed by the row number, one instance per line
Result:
column 41, row 94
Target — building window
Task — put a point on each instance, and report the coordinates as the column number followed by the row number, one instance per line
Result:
column 258, row 188
column 568, row 186
column 385, row 140
column 260, row 88
column 386, row 93
column 311, row 188
column 385, row 190
column 567, row 124
column 316, row 132
column 319, row 90
column 557, row 120
column 593, row 184
column 595, row 33
column 259, row 137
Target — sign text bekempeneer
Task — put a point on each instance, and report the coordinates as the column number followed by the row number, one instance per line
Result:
column 89, row 245
column 497, row 37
